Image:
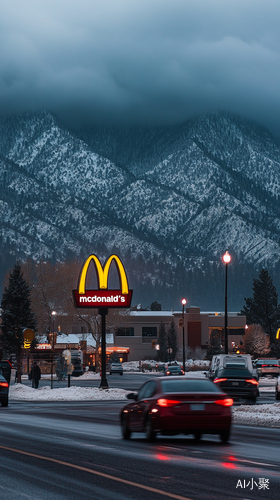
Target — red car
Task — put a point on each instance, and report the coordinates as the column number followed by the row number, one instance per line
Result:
column 4, row 391
column 178, row 405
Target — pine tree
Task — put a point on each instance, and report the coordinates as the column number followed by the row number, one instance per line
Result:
column 16, row 315
column 162, row 340
column 215, row 345
column 262, row 309
column 172, row 341
column 255, row 341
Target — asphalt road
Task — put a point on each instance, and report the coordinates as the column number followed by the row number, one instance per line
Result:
column 74, row 451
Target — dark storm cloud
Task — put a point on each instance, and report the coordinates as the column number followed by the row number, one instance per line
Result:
column 148, row 61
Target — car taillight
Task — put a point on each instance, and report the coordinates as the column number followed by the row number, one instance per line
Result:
column 168, row 373
column 4, row 384
column 182, row 371
column 224, row 402
column 252, row 381
column 167, row 402
column 264, row 365
column 218, row 380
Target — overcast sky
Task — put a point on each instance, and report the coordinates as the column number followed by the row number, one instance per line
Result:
column 141, row 61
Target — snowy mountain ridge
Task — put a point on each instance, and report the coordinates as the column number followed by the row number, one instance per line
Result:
column 197, row 189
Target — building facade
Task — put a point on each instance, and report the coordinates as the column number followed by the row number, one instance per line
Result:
column 141, row 329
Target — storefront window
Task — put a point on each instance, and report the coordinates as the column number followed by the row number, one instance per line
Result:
column 149, row 331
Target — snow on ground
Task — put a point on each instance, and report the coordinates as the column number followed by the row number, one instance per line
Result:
column 263, row 415
column 24, row 393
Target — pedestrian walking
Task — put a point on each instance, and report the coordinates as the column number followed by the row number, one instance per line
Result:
column 35, row 375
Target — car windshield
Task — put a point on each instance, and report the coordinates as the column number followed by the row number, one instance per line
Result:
column 229, row 372
column 188, row 385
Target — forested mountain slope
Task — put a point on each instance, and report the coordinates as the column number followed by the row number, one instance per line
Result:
column 168, row 200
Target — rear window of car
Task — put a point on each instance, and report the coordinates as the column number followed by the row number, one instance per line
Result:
column 269, row 362
column 174, row 368
column 235, row 363
column 188, row 385
column 231, row 372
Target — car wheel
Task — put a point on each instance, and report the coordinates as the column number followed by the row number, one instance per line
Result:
column 197, row 435
column 225, row 436
column 277, row 395
column 253, row 400
column 149, row 431
column 5, row 401
column 126, row 432
column 121, row 373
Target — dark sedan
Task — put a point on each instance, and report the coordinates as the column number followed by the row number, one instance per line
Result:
column 4, row 391
column 174, row 370
column 268, row 367
column 237, row 383
column 178, row 405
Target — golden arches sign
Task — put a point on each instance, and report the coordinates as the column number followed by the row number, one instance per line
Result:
column 28, row 337
column 103, row 297
column 102, row 273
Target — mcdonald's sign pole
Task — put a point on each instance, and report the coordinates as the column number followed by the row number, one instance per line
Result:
column 103, row 298
column 103, row 311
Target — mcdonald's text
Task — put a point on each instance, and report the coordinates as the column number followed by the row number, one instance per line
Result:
column 102, row 298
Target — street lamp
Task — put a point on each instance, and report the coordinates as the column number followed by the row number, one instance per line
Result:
column 184, row 301
column 226, row 260
column 53, row 315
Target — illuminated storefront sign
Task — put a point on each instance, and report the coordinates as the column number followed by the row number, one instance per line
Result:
column 44, row 346
column 102, row 297
column 28, row 337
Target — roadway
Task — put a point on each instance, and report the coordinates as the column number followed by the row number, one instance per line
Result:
column 74, row 450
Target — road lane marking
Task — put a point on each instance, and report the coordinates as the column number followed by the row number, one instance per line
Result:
column 96, row 473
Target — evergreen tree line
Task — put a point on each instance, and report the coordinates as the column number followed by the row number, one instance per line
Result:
column 262, row 312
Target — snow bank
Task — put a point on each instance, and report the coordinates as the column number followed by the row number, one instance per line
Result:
column 267, row 415
column 20, row 392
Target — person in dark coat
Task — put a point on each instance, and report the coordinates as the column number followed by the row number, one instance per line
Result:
column 35, row 375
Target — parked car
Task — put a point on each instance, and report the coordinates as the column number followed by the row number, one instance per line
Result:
column 160, row 367
column 237, row 383
column 6, row 369
column 268, row 367
column 277, row 389
column 116, row 368
column 177, row 405
column 174, row 370
column 4, row 391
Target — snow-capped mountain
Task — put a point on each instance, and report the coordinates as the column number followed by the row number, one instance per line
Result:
column 173, row 198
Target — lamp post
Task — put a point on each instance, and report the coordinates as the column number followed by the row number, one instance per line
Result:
column 53, row 315
column 226, row 260
column 184, row 301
